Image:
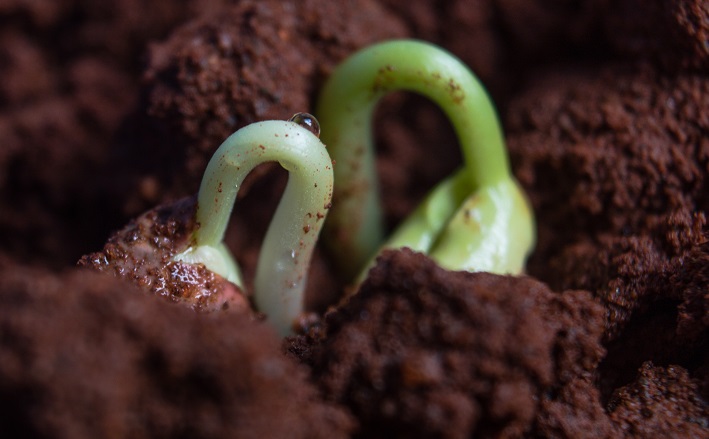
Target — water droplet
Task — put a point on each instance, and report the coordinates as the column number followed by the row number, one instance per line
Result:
column 307, row 121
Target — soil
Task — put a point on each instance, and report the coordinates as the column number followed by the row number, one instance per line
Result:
column 110, row 109
column 412, row 356
column 143, row 253
column 85, row 355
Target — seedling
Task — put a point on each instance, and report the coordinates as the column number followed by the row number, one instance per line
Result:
column 477, row 220
column 285, row 255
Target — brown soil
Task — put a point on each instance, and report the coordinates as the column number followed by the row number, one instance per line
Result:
column 640, row 408
column 109, row 109
column 412, row 356
column 85, row 355
column 630, row 146
column 143, row 254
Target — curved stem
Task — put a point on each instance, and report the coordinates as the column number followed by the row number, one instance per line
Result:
column 345, row 112
column 287, row 248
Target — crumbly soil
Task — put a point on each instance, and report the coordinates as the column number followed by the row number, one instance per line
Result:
column 85, row 355
column 144, row 254
column 109, row 109
column 420, row 351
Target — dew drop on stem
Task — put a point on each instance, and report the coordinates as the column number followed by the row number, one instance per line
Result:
column 307, row 121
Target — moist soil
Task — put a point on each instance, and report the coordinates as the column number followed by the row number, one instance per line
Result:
column 111, row 109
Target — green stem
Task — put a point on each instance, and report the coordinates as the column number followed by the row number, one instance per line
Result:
column 287, row 248
column 345, row 111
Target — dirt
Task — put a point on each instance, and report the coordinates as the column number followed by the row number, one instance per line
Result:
column 85, row 355
column 412, row 356
column 632, row 146
column 111, row 109
column 143, row 253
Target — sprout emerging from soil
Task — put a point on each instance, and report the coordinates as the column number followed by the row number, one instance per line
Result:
column 476, row 220
column 287, row 248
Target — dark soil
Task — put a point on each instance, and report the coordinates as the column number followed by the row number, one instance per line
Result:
column 423, row 352
column 111, row 108
column 85, row 355
column 143, row 253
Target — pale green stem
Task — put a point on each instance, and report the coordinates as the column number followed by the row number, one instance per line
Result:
column 287, row 248
column 345, row 111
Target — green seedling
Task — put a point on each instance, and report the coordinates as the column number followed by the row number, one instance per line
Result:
column 476, row 220
column 285, row 255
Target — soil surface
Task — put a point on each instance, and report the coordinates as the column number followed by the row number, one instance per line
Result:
column 144, row 252
column 109, row 109
column 85, row 355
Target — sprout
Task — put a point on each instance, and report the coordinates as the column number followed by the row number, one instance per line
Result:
column 288, row 246
column 476, row 220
